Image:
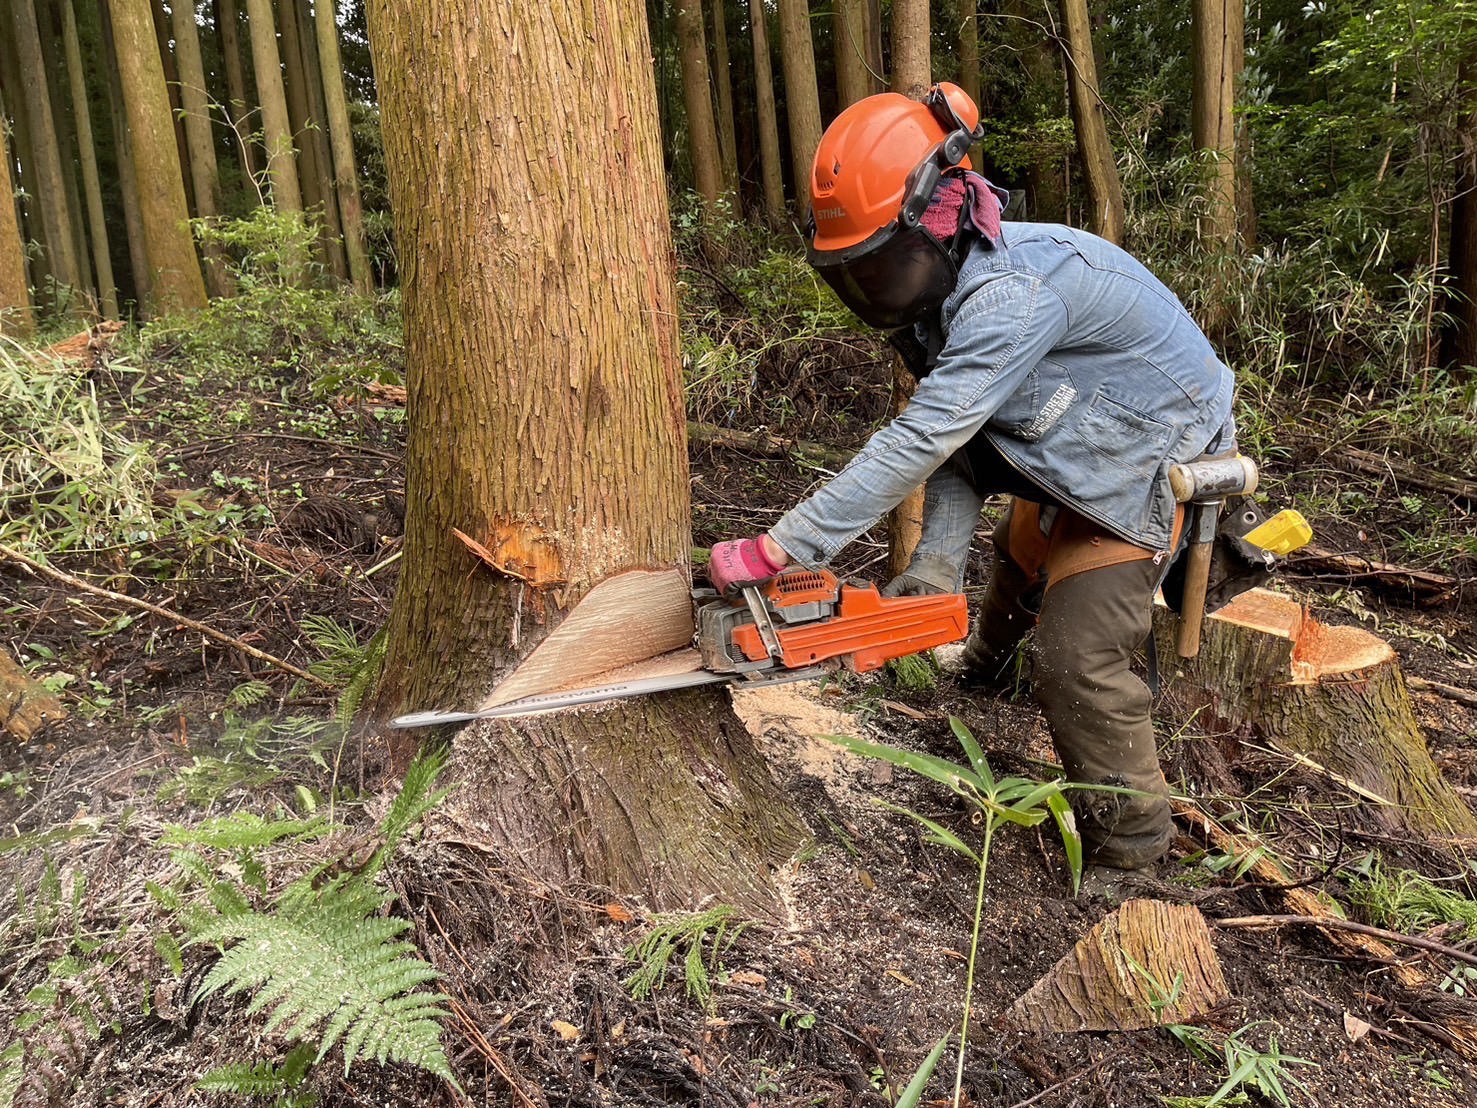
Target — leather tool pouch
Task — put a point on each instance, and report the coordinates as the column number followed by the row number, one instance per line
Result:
column 1235, row 564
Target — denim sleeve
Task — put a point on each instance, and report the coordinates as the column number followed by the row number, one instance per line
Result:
column 951, row 511
column 1000, row 332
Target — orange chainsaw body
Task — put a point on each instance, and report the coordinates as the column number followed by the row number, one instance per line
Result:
column 864, row 630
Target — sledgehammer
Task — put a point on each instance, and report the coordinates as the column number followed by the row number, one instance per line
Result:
column 1203, row 484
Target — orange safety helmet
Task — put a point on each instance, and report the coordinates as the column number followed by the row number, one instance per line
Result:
column 874, row 174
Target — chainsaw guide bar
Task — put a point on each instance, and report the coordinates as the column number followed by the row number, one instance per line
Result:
column 804, row 623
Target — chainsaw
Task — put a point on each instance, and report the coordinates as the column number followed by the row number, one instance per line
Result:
column 804, row 623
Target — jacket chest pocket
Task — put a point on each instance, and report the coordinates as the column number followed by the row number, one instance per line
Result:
column 1124, row 436
column 1021, row 409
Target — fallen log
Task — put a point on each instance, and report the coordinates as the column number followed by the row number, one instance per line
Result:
column 1334, row 695
column 767, row 445
column 1147, row 964
column 1428, row 587
column 1406, row 473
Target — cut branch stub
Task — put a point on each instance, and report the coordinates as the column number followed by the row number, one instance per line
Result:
column 26, row 705
column 1147, row 964
column 1332, row 697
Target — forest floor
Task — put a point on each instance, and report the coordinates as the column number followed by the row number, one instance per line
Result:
column 835, row 1002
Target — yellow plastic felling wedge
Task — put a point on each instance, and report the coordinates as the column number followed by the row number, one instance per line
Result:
column 1282, row 534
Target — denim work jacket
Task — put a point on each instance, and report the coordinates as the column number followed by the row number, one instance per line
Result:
column 1077, row 364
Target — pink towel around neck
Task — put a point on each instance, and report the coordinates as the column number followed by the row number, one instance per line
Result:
column 942, row 214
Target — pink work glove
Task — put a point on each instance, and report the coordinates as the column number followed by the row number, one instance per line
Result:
column 739, row 563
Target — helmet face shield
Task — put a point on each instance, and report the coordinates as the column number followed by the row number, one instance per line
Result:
column 893, row 282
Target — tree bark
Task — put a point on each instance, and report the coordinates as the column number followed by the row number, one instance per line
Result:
column 1213, row 115
column 546, row 420
column 723, row 81
column 176, row 104
column 331, row 235
column 1459, row 336
column 16, row 316
column 1046, row 178
column 853, row 80
column 138, row 258
column 53, row 54
column 1099, row 169
column 769, row 135
column 1146, row 965
column 802, row 96
column 299, row 115
column 1331, row 696
column 200, row 139
column 341, row 141
column 287, row 193
column 238, row 112
column 697, row 96
column 57, row 234
column 912, row 63
column 102, row 258
column 175, row 283
column 969, row 49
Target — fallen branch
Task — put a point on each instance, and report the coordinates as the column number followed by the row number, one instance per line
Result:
column 1357, row 928
column 1380, row 465
column 163, row 613
column 769, row 446
column 1440, row 688
column 1422, row 581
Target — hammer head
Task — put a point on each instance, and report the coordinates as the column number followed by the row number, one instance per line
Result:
column 1212, row 479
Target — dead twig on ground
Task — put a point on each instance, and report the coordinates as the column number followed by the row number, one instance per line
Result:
column 1430, row 945
column 163, row 613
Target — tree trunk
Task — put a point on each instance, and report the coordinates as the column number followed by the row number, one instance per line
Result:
column 175, row 283
column 727, row 138
column 287, row 193
column 769, row 134
column 299, row 115
column 341, row 140
column 1046, row 177
column 331, row 235
column 873, row 29
column 228, row 26
column 546, row 419
column 57, row 234
column 200, row 138
column 1099, row 169
column 1246, row 221
column 969, row 49
column 853, row 80
column 1212, row 115
column 22, row 161
column 53, row 54
column 802, row 96
column 16, row 317
column 176, row 104
column 1332, row 697
column 138, row 258
column 912, row 64
column 697, row 96
column 102, row 258
column 1459, row 336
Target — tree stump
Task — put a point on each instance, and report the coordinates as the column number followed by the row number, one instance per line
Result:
column 1147, row 964
column 1331, row 697
column 26, row 705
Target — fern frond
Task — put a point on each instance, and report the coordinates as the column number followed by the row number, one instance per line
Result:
column 12, row 1072
column 414, row 800
column 245, row 831
column 365, row 676
column 248, row 694
column 260, row 1078
column 325, row 958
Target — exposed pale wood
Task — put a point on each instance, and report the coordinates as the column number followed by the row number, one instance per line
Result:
column 1334, row 695
column 26, row 705
column 1147, row 964
column 623, row 620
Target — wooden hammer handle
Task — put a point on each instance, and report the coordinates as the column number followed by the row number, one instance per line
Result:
column 1192, row 605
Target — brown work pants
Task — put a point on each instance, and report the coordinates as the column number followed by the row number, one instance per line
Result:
column 1094, row 613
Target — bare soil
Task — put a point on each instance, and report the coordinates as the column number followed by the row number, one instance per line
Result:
column 836, row 1001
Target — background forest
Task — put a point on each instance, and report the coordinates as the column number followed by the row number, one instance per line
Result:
column 203, row 442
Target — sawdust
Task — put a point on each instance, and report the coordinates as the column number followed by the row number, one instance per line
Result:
column 786, row 721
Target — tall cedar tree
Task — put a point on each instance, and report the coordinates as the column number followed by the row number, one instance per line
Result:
column 238, row 111
column 853, row 81
column 771, row 168
column 697, row 98
column 16, row 317
column 341, row 142
column 200, row 138
column 287, row 193
column 1094, row 149
column 723, row 87
column 546, row 419
column 175, row 282
column 1217, row 34
column 58, row 237
column 802, row 95
column 102, row 258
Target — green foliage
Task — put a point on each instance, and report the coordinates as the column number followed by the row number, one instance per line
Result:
column 914, row 672
column 263, row 1079
column 1263, row 1071
column 322, row 960
column 687, row 933
column 345, row 662
column 1406, row 901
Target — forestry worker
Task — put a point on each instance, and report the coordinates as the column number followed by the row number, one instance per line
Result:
column 1051, row 366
